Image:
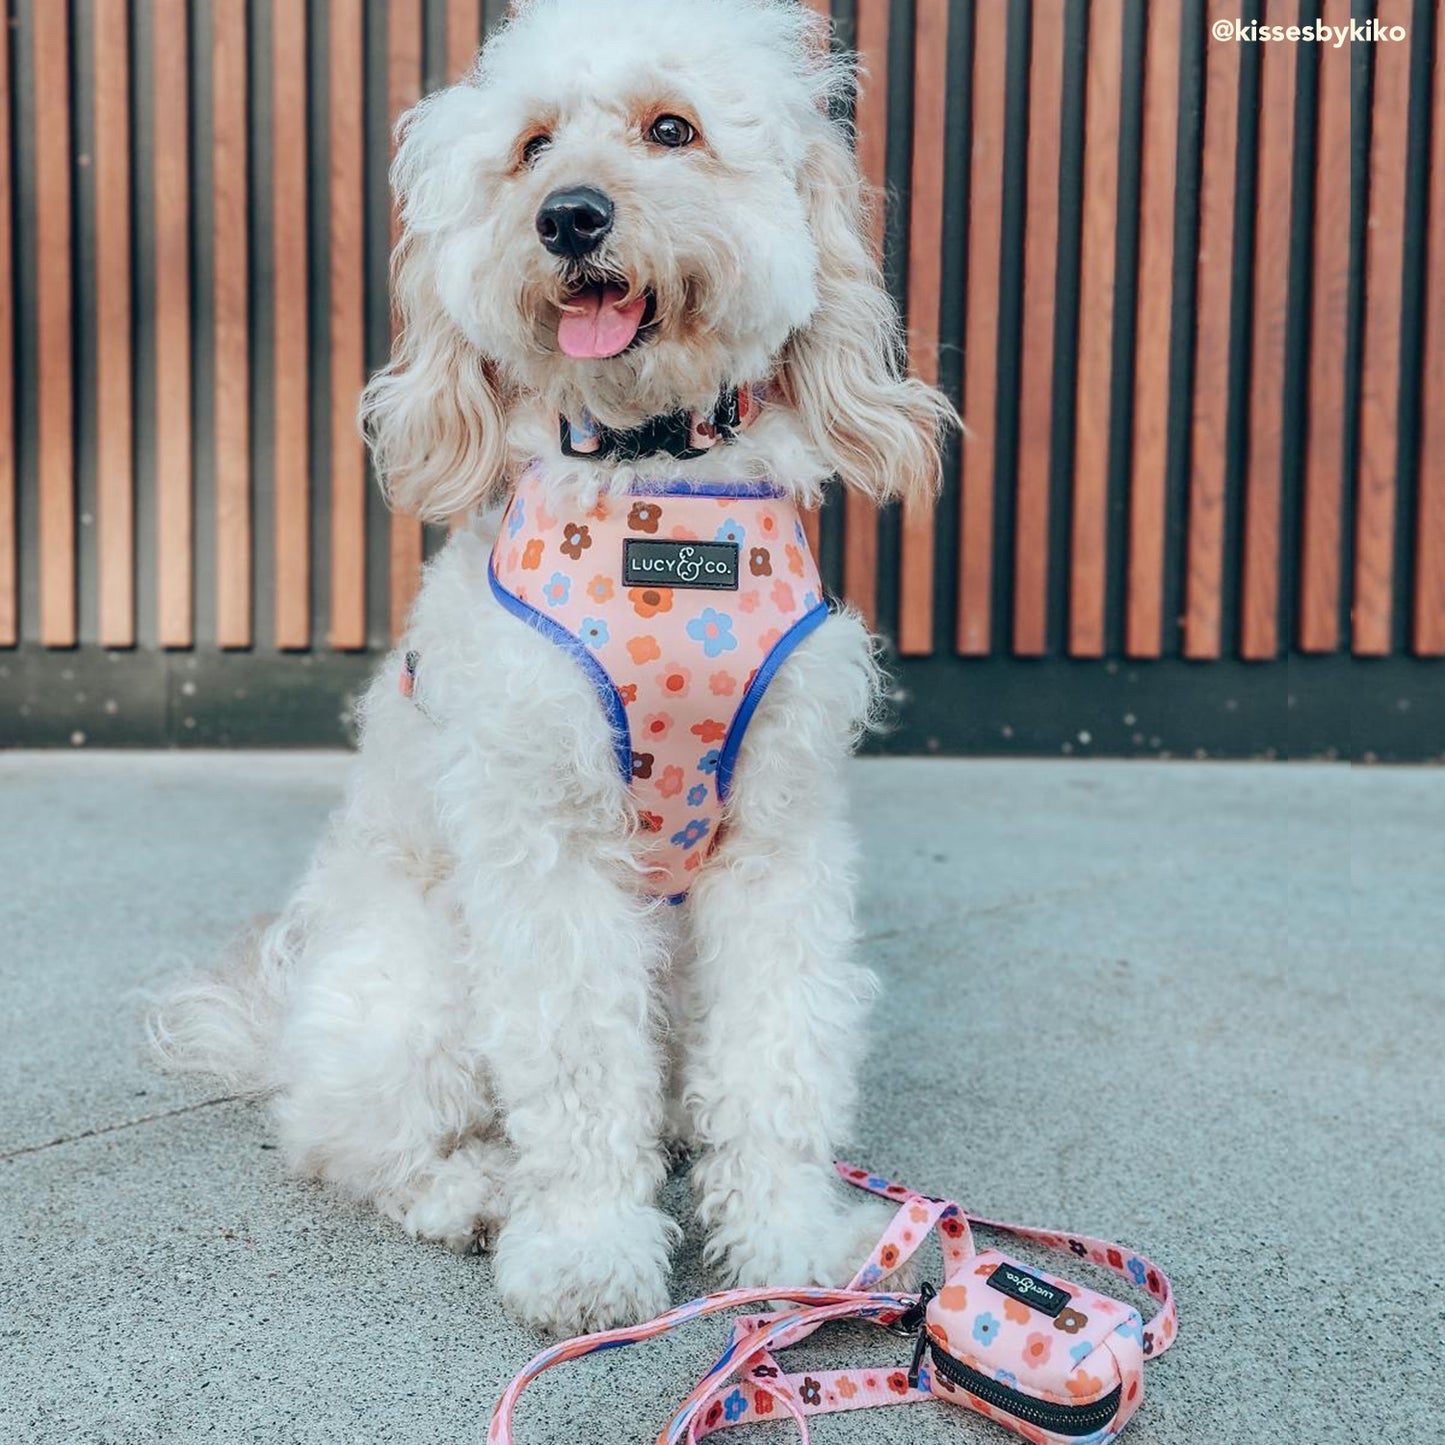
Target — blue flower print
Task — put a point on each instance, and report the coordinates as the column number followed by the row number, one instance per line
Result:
column 877, row 1182
column 691, row 835
column 696, row 794
column 714, row 630
column 799, row 535
column 1004, row 1378
column 1137, row 1272
column 735, row 1406
column 985, row 1329
column 1133, row 1329
column 516, row 516
column 810, row 600
column 1078, row 1352
column 558, row 589
column 708, row 762
column 731, row 532
column 593, row 631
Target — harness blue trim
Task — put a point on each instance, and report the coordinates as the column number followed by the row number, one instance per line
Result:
column 765, row 490
column 569, row 642
column 782, row 649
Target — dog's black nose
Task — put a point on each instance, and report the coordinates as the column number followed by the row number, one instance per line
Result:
column 573, row 222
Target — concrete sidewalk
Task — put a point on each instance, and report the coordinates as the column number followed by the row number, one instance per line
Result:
column 1197, row 1008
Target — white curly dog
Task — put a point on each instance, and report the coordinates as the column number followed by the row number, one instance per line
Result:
column 474, row 1013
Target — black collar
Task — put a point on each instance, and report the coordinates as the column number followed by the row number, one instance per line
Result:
column 678, row 433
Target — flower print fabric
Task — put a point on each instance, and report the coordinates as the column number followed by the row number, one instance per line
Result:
column 679, row 668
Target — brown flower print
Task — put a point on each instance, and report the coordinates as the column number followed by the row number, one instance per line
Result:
column 760, row 562
column 811, row 1392
column 1070, row 1321
column 576, row 539
column 898, row 1382
column 642, row 765
column 645, row 517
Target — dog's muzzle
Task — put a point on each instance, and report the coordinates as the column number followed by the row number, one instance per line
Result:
column 574, row 222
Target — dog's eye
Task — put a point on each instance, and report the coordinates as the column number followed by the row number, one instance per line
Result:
column 671, row 131
column 534, row 148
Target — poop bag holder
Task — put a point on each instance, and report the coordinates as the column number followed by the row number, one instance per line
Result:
column 1033, row 1351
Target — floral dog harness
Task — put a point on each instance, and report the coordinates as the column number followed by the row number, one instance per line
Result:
column 680, row 603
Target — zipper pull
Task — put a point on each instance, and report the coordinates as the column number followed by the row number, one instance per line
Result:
column 919, row 1346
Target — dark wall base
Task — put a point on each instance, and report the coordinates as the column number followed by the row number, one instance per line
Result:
column 1385, row 710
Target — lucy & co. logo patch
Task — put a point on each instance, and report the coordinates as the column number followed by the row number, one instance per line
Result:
column 650, row 563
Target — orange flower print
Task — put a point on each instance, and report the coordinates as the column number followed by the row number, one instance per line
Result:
column 710, row 730
column 760, row 562
column 1083, row 1385
column 628, row 693
column 683, row 534
column 599, row 589
column 766, row 523
column 643, row 648
column 675, row 681
column 783, row 598
column 846, row 1388
column 1037, row 1349
column 748, row 601
column 938, row 1335
column 918, row 1214
column 769, row 639
column 762, row 1402
column 644, row 517
column 544, row 519
column 953, row 1297
column 576, row 539
column 532, row 554
column 1013, row 1310
column 649, row 601
column 888, row 1257
column 795, row 559
column 670, row 783
column 649, row 822
column 656, row 725
column 898, row 1382
column 722, row 684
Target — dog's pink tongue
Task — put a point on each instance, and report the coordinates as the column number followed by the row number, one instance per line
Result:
column 599, row 326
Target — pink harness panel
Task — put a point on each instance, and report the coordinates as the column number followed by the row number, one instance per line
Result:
column 680, row 602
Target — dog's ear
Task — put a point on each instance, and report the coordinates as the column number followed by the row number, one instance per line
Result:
column 435, row 416
column 878, row 428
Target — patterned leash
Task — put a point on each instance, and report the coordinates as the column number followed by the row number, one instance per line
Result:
column 746, row 1384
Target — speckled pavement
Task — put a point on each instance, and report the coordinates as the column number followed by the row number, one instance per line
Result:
column 1197, row 1008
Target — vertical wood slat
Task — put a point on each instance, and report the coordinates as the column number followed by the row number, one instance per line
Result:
column 860, row 542
column 289, row 305
column 925, row 283
column 403, row 90
column 348, row 361
column 1209, row 422
column 9, row 550
column 1380, row 357
column 115, row 479
column 1144, row 612
column 1319, row 599
column 464, row 28
column 232, row 438
column 1089, row 538
column 1429, row 628
column 51, row 32
column 172, row 300
column 1259, row 598
column 1041, row 249
column 978, row 451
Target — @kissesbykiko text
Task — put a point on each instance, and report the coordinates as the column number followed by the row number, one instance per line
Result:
column 1365, row 32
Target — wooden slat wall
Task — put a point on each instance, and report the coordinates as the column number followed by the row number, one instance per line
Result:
column 1203, row 516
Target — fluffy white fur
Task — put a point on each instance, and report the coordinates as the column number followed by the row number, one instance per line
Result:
column 470, row 1014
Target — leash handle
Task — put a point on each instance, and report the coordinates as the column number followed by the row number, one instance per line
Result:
column 958, row 1248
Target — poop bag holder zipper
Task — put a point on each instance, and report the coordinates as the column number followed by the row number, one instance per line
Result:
column 1042, row 1356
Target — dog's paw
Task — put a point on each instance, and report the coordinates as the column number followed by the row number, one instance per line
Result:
column 569, row 1272
column 461, row 1205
